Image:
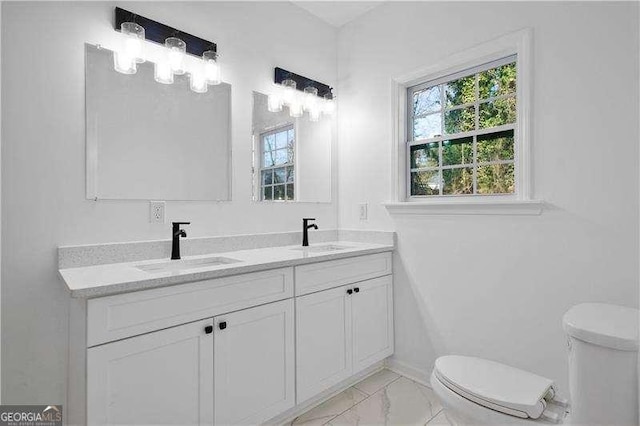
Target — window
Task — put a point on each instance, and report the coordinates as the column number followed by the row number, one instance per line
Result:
column 462, row 132
column 277, row 164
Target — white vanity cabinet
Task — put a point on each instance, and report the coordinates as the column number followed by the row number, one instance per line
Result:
column 344, row 320
column 254, row 364
column 241, row 364
column 164, row 377
column 323, row 341
column 234, row 350
column 340, row 332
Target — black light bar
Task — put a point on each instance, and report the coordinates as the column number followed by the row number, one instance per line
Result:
column 158, row 32
column 324, row 91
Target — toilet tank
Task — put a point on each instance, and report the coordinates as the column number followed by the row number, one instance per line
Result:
column 603, row 364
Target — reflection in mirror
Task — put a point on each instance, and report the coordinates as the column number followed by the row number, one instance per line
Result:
column 292, row 156
column 152, row 141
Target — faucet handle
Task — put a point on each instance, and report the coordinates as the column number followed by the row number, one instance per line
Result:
column 180, row 223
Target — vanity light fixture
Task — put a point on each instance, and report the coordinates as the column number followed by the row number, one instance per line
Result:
column 130, row 52
column 134, row 37
column 162, row 72
column 211, row 67
column 310, row 98
column 136, row 29
column 176, row 49
column 124, row 64
column 198, row 79
column 301, row 94
column 274, row 102
column 295, row 109
column 289, row 94
column 328, row 105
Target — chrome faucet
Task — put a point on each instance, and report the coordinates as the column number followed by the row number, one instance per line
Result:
column 305, row 230
column 176, row 234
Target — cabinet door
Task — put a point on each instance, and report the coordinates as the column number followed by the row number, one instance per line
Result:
column 323, row 341
column 254, row 364
column 164, row 377
column 372, row 319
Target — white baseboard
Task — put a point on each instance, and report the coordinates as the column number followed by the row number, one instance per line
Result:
column 412, row 372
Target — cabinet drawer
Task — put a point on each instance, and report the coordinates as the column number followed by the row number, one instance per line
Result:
column 124, row 315
column 320, row 276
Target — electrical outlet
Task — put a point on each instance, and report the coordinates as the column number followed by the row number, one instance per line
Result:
column 156, row 211
column 364, row 207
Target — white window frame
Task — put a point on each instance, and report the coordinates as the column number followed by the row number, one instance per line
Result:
column 261, row 168
column 521, row 202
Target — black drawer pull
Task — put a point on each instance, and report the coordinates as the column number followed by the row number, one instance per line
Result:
column 222, row 325
column 357, row 289
column 349, row 291
column 208, row 329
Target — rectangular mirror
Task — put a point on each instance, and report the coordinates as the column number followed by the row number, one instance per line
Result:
column 152, row 141
column 292, row 156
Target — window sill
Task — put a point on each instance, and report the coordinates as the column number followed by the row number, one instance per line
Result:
column 451, row 207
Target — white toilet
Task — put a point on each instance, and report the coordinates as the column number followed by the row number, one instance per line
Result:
column 603, row 378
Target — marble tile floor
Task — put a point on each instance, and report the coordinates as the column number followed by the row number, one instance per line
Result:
column 385, row 398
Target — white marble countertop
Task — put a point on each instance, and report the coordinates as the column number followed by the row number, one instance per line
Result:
column 104, row 280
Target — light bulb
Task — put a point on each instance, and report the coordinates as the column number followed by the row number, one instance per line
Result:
column 198, row 80
column 211, row 67
column 310, row 98
column 133, row 45
column 175, row 56
column 274, row 103
column 295, row 109
column 162, row 72
column 124, row 63
column 289, row 94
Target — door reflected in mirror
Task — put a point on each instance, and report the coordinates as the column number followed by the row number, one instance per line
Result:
column 292, row 156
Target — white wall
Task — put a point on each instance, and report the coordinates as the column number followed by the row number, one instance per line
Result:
column 43, row 157
column 497, row 286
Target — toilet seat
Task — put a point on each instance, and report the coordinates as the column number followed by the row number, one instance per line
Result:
column 496, row 386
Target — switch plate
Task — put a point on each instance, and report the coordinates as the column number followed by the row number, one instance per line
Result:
column 156, row 211
column 364, row 207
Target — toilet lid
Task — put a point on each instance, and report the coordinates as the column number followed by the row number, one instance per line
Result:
column 604, row 325
column 494, row 385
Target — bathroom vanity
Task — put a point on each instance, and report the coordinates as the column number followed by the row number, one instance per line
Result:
column 240, row 339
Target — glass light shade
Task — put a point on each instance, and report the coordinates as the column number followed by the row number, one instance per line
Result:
column 310, row 98
column 295, row 109
column 212, row 67
column 198, row 79
column 175, row 56
column 124, row 64
column 274, row 102
column 289, row 94
column 133, row 40
column 314, row 114
column 162, row 73
column 328, row 105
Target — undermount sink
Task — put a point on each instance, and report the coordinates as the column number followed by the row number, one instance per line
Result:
column 179, row 265
column 323, row 247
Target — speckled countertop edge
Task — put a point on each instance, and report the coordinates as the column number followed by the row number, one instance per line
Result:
column 105, row 280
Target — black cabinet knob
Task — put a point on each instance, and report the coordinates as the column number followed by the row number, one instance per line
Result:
column 349, row 291
column 357, row 289
column 208, row 329
column 222, row 325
